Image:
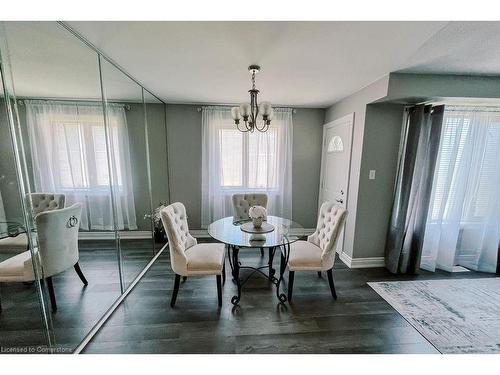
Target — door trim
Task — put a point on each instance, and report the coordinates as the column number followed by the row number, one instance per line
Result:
column 349, row 118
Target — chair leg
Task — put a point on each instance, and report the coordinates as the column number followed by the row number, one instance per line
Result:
column 291, row 275
column 80, row 274
column 176, row 290
column 184, row 278
column 224, row 272
column 52, row 294
column 332, row 285
column 261, row 251
column 219, row 290
column 319, row 274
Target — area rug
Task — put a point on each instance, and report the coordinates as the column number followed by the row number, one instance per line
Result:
column 456, row 316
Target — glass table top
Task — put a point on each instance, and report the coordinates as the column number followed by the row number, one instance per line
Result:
column 227, row 231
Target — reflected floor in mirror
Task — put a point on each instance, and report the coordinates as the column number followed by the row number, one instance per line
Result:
column 360, row 321
column 78, row 307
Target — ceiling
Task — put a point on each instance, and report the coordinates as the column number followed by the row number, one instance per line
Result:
column 311, row 64
column 305, row 64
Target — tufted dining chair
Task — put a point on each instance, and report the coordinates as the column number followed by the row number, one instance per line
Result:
column 242, row 204
column 40, row 202
column 57, row 233
column 187, row 257
column 318, row 252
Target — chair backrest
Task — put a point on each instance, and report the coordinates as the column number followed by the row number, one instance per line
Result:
column 58, row 238
column 42, row 202
column 243, row 202
column 174, row 221
column 331, row 219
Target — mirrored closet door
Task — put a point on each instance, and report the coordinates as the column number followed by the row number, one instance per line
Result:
column 80, row 171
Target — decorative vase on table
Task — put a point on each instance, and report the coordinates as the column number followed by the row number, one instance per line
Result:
column 257, row 214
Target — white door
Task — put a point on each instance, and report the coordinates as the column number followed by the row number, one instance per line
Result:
column 336, row 163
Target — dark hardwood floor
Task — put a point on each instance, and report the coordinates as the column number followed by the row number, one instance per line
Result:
column 79, row 307
column 360, row 321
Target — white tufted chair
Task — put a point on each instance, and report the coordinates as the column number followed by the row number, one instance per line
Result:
column 40, row 202
column 187, row 257
column 57, row 233
column 242, row 204
column 318, row 252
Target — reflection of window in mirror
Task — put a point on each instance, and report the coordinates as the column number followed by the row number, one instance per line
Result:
column 335, row 144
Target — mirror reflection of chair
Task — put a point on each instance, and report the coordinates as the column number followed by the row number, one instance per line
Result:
column 40, row 202
column 57, row 233
column 187, row 256
column 318, row 252
column 241, row 206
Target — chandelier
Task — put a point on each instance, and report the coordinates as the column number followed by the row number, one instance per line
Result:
column 250, row 112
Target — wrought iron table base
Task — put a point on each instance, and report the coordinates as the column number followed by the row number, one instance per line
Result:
column 233, row 252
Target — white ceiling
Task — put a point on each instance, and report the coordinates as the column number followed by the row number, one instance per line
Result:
column 309, row 64
column 303, row 63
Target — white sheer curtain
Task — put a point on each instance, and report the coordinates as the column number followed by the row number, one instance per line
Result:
column 69, row 155
column 235, row 162
column 463, row 223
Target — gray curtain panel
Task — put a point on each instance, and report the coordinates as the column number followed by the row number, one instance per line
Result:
column 412, row 193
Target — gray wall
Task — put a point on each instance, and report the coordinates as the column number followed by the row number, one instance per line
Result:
column 381, row 140
column 8, row 179
column 184, row 148
column 356, row 104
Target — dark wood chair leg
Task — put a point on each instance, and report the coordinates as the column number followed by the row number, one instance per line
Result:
column 219, row 290
column 261, row 251
column 52, row 294
column 332, row 285
column 224, row 272
column 291, row 275
column 80, row 274
column 176, row 290
column 319, row 274
column 184, row 278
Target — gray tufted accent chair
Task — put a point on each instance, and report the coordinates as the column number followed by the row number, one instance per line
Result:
column 318, row 252
column 42, row 202
column 187, row 257
column 243, row 202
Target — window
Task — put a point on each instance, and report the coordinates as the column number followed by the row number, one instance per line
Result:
column 69, row 152
column 248, row 160
column 236, row 162
column 467, row 164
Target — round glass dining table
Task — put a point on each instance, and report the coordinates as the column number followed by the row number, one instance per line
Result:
column 285, row 232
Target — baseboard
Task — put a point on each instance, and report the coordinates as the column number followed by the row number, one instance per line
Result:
column 371, row 262
column 126, row 234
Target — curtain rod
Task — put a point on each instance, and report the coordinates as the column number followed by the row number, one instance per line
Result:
column 199, row 109
column 69, row 101
column 453, row 108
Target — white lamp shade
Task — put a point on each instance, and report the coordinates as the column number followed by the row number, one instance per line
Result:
column 271, row 114
column 245, row 109
column 265, row 108
column 235, row 113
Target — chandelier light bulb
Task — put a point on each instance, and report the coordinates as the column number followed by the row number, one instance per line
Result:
column 235, row 113
column 245, row 109
column 265, row 108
